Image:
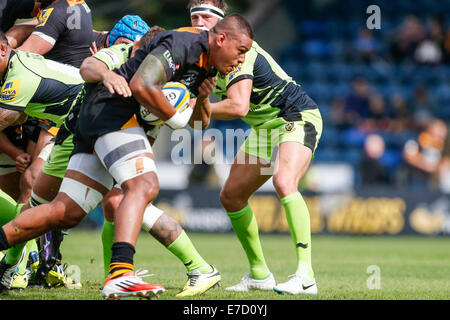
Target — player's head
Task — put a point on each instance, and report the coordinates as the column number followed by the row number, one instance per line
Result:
column 206, row 13
column 146, row 38
column 5, row 51
column 129, row 29
column 230, row 40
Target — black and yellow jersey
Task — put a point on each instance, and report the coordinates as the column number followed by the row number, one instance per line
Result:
column 67, row 25
column 183, row 53
column 274, row 93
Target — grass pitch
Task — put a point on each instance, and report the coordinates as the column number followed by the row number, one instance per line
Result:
column 346, row 267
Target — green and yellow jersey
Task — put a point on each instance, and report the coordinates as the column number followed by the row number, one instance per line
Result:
column 41, row 88
column 274, row 93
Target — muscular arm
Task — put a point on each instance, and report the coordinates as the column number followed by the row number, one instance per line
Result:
column 7, row 147
column 146, row 88
column 93, row 70
column 237, row 103
column 9, row 118
column 36, row 44
column 19, row 33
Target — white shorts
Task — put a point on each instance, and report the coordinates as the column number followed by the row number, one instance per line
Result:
column 111, row 162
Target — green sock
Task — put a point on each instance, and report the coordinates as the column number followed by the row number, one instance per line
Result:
column 13, row 254
column 9, row 208
column 184, row 250
column 297, row 215
column 107, row 242
column 246, row 229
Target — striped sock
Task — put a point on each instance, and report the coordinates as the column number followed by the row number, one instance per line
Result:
column 121, row 260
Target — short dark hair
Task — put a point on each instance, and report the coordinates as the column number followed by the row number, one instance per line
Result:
column 222, row 5
column 234, row 22
column 146, row 38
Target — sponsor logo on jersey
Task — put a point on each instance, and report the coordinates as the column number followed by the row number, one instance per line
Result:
column 10, row 90
column 235, row 71
column 168, row 56
column 43, row 17
column 112, row 56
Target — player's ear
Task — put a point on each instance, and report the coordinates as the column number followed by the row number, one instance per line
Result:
column 4, row 49
column 221, row 38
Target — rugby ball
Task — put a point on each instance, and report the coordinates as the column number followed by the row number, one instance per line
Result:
column 178, row 96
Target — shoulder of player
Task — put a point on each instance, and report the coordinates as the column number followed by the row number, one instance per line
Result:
column 65, row 3
column 22, row 61
column 60, row 8
column 189, row 36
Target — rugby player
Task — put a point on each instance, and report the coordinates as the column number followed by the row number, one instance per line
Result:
column 14, row 158
column 108, row 126
column 120, row 33
column 44, row 190
column 55, row 37
column 159, row 224
column 36, row 87
column 283, row 117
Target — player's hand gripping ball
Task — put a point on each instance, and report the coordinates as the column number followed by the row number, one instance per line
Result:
column 178, row 96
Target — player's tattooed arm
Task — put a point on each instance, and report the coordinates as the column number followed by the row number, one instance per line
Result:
column 146, row 87
column 9, row 118
column 166, row 230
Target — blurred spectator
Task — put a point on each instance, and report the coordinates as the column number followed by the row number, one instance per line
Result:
column 423, row 107
column 341, row 119
column 371, row 169
column 436, row 29
column 447, row 46
column 428, row 52
column 378, row 117
column 403, row 119
column 407, row 38
column 444, row 167
column 357, row 101
column 424, row 155
column 366, row 45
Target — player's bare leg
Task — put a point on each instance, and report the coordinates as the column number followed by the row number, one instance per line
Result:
column 171, row 235
column 63, row 212
column 245, row 178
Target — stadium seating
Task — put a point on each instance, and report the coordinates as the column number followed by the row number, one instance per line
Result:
column 323, row 60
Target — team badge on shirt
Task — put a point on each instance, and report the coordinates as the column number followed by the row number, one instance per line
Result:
column 9, row 91
column 43, row 17
column 290, row 127
column 235, row 71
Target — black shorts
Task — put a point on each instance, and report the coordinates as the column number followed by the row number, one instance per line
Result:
column 102, row 113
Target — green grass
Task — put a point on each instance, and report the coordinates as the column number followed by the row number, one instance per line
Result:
column 411, row 267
